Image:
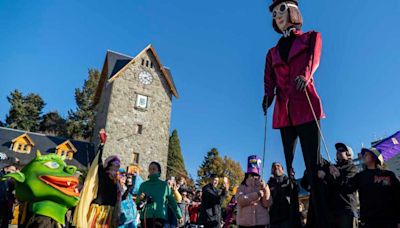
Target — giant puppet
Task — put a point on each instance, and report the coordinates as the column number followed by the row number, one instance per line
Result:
column 49, row 187
column 289, row 78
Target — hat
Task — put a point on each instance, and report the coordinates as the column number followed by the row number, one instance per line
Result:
column 277, row 2
column 253, row 164
column 375, row 153
column 344, row 146
column 6, row 161
column 110, row 159
column 121, row 170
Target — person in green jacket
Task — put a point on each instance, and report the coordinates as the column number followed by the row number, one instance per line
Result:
column 154, row 198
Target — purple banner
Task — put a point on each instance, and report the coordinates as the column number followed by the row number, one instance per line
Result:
column 390, row 146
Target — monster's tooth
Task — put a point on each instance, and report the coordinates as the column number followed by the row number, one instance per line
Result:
column 68, row 183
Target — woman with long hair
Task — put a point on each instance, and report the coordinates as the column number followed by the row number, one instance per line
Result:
column 253, row 197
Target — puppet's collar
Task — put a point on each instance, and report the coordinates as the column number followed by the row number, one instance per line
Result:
column 286, row 33
column 50, row 209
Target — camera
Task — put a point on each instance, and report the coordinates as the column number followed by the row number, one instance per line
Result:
column 147, row 200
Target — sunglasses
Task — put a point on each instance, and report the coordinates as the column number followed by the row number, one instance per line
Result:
column 283, row 7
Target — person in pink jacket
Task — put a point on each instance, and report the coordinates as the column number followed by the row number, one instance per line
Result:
column 289, row 78
column 253, row 198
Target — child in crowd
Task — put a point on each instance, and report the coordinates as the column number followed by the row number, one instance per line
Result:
column 128, row 213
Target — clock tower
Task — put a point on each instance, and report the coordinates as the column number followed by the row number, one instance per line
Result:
column 133, row 103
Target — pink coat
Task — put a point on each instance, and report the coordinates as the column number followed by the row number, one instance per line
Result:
column 291, row 106
column 251, row 210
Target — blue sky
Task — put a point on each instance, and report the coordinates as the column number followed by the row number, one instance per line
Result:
column 216, row 50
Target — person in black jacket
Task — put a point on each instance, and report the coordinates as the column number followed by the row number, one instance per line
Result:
column 323, row 198
column 108, row 192
column 211, row 200
column 379, row 192
column 343, row 206
column 281, row 189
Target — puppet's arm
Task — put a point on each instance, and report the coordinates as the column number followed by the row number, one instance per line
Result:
column 313, row 61
column 269, row 82
column 315, row 55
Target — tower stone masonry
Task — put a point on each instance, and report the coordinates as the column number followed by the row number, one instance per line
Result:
column 133, row 103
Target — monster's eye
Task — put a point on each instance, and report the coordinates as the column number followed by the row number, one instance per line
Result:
column 52, row 164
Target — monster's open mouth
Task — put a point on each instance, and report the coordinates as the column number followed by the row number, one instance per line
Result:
column 67, row 185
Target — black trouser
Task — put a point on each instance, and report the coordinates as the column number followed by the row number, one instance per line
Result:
column 310, row 145
column 344, row 220
column 4, row 214
column 152, row 223
column 283, row 224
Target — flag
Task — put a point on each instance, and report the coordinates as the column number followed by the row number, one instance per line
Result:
column 390, row 146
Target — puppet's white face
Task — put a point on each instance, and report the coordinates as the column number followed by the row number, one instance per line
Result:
column 280, row 14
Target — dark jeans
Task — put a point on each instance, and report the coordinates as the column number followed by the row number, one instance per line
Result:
column 378, row 225
column 152, row 223
column 310, row 145
column 344, row 221
column 214, row 224
column 4, row 214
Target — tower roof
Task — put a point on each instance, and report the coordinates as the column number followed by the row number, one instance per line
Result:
column 115, row 63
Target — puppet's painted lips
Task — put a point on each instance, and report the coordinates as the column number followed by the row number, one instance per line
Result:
column 67, row 185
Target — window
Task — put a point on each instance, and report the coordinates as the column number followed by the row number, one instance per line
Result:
column 151, row 64
column 70, row 155
column 142, row 62
column 147, row 63
column 135, row 158
column 138, row 129
column 141, row 101
column 19, row 147
column 25, row 147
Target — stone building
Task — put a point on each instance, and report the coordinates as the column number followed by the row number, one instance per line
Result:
column 133, row 102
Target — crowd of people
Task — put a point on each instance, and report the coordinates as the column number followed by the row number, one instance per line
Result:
column 367, row 198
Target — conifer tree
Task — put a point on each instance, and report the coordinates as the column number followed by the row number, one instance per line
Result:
column 175, row 165
column 212, row 164
column 80, row 122
column 25, row 111
column 53, row 124
column 222, row 167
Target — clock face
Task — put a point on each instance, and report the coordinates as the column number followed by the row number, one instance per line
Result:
column 145, row 78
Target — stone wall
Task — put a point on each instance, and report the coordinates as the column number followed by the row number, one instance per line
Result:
column 102, row 111
column 121, row 116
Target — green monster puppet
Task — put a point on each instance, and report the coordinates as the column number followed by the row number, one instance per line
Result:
column 48, row 185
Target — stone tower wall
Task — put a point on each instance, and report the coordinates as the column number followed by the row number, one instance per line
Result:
column 118, row 113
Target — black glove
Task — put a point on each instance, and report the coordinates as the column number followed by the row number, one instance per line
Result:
column 301, row 83
column 267, row 101
column 264, row 105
